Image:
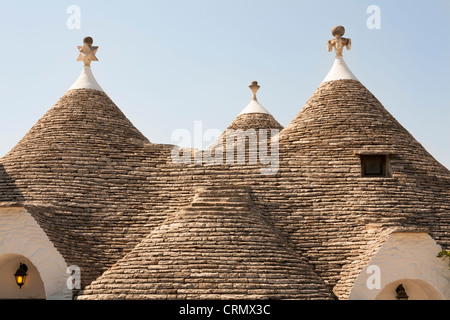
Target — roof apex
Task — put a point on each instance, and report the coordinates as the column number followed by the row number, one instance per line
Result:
column 86, row 80
column 339, row 71
column 87, row 55
column 254, row 106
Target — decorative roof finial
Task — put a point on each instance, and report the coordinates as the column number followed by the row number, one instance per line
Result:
column 87, row 52
column 254, row 87
column 339, row 42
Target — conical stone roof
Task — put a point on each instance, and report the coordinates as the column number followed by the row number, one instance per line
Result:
column 320, row 150
column 219, row 247
column 83, row 171
column 254, row 115
column 83, row 136
column 99, row 195
column 253, row 125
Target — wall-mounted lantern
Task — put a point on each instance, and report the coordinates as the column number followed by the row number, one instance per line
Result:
column 401, row 293
column 21, row 275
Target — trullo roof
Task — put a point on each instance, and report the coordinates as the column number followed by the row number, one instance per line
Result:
column 336, row 212
column 219, row 247
column 80, row 171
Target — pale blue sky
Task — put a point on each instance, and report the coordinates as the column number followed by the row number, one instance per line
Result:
column 168, row 63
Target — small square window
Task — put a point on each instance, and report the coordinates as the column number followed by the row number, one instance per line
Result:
column 374, row 166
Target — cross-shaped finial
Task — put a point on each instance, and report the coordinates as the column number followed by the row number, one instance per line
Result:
column 254, row 87
column 87, row 52
column 339, row 42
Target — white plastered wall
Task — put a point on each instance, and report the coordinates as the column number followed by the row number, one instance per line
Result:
column 20, row 235
column 406, row 258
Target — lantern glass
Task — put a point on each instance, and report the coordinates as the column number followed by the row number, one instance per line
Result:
column 21, row 275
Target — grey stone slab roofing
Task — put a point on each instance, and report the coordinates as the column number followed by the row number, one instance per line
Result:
column 219, row 247
column 82, row 171
column 331, row 206
column 245, row 124
column 101, row 191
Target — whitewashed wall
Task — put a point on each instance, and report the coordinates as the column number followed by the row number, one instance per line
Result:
column 409, row 259
column 22, row 240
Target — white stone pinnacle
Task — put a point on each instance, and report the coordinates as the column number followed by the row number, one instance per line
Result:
column 86, row 80
column 254, row 106
column 87, row 54
column 339, row 70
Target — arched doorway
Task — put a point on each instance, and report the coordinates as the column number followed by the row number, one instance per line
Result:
column 407, row 258
column 33, row 287
column 22, row 237
column 415, row 289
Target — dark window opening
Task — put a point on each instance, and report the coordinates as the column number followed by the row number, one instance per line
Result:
column 374, row 166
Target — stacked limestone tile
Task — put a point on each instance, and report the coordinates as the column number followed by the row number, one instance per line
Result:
column 82, row 171
column 339, row 207
column 142, row 226
column 218, row 247
column 336, row 216
column 252, row 125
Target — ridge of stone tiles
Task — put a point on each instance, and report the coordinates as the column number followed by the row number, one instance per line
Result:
column 255, row 120
column 247, row 123
column 219, row 247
